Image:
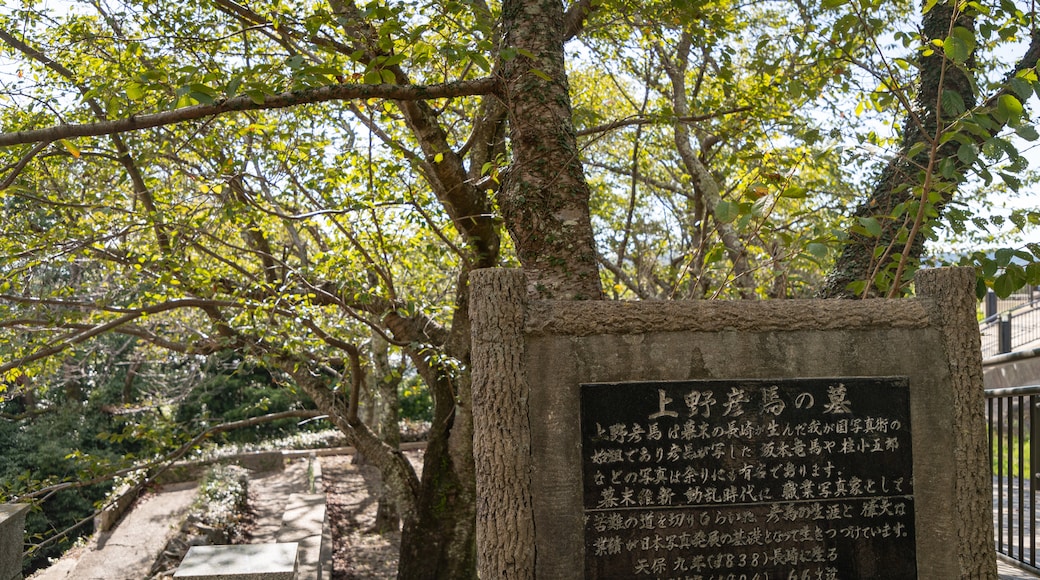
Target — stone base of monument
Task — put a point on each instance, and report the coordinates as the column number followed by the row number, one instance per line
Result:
column 749, row 439
column 241, row 562
column 12, row 537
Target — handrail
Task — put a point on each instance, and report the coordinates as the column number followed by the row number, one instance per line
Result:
column 1006, row 330
column 994, row 318
column 1013, row 391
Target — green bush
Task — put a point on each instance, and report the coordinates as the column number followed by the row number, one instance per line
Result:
column 416, row 403
column 234, row 390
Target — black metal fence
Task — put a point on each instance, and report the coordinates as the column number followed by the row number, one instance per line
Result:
column 1013, row 417
column 1010, row 322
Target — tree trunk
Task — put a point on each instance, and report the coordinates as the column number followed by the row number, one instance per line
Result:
column 440, row 541
column 385, row 380
column 127, row 395
column 544, row 197
column 864, row 256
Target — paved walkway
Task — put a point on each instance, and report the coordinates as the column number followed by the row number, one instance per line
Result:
column 1008, row 572
column 128, row 551
column 269, row 495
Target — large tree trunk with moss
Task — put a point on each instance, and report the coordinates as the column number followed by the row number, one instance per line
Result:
column 440, row 541
column 544, row 196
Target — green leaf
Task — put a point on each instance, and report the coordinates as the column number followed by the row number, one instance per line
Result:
column 953, row 103
column 232, row 86
column 373, row 77
column 72, row 149
column 255, row 95
column 134, row 91
column 817, row 249
column 795, row 192
column 1012, row 182
column 726, row 211
column 989, row 267
column 1003, row 257
column 955, row 50
column 541, row 74
column 1009, row 109
column 1020, row 222
column 438, row 158
column 967, row 153
column 1027, row 132
column 394, row 59
column 1014, row 277
column 480, row 61
column 959, row 45
column 1033, row 273
column 872, row 225
column 980, row 288
column 1021, row 87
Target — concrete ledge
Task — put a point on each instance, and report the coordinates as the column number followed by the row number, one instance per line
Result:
column 12, row 538
column 108, row 517
column 242, row 562
column 304, row 522
column 192, row 470
column 315, row 484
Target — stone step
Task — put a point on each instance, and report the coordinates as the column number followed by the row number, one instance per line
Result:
column 240, row 562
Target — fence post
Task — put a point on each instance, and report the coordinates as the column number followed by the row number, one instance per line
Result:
column 991, row 304
column 1004, row 333
column 1034, row 449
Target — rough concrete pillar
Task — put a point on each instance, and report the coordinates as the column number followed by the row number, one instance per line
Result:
column 953, row 310
column 502, row 429
column 12, row 539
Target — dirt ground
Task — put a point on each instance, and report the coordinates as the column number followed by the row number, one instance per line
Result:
column 358, row 552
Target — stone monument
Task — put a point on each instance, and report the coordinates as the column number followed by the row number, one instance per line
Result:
column 747, row 440
column 12, row 540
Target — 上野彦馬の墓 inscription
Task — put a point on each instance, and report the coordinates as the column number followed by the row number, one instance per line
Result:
column 754, row 479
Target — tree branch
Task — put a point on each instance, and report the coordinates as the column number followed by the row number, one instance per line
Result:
column 575, row 17
column 341, row 92
column 98, row 329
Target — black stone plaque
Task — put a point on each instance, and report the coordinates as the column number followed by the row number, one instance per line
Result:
column 749, row 479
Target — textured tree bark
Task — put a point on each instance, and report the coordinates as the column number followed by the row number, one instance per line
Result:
column 502, row 448
column 544, row 197
column 952, row 292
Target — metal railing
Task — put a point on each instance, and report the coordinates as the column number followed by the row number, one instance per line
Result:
column 1010, row 322
column 1013, row 423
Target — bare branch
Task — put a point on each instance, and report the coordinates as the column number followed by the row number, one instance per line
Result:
column 641, row 120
